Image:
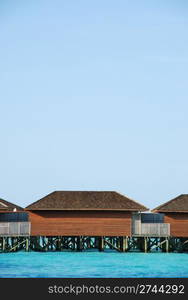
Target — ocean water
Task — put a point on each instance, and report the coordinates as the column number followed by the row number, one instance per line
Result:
column 93, row 264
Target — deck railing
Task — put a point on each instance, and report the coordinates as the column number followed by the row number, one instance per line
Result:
column 152, row 229
column 15, row 228
column 157, row 229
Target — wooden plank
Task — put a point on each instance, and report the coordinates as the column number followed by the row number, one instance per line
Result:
column 178, row 224
column 80, row 223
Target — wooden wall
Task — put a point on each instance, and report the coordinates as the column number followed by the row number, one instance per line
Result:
column 178, row 224
column 75, row 223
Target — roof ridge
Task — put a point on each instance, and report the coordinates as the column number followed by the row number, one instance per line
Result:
column 87, row 191
column 166, row 203
column 41, row 199
column 8, row 204
column 133, row 200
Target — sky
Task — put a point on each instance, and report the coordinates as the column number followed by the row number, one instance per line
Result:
column 93, row 96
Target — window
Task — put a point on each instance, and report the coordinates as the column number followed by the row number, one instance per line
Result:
column 152, row 218
column 14, row 217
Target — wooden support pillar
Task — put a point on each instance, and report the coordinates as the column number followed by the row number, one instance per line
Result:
column 123, row 240
column 145, row 245
column 27, row 244
column 101, row 243
column 47, row 243
column 126, row 243
column 96, row 242
column 58, row 244
column 121, row 243
column 3, row 246
column 79, row 243
column 118, row 242
column 167, row 245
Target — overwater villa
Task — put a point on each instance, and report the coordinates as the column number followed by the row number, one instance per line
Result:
column 81, row 213
column 86, row 220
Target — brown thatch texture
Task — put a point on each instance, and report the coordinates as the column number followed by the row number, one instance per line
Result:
column 86, row 200
column 178, row 204
column 8, row 206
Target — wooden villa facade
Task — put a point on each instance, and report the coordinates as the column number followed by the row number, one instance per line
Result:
column 82, row 220
column 176, row 214
column 77, row 213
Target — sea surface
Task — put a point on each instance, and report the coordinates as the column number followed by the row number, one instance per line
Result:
column 93, row 264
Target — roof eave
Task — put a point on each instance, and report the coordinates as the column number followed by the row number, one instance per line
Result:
column 169, row 211
column 87, row 209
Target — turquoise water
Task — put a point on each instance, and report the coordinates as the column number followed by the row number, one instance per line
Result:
column 93, row 264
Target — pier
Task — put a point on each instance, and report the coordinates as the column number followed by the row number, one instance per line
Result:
column 84, row 243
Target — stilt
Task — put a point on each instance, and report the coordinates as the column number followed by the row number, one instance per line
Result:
column 3, row 246
column 101, row 243
column 118, row 242
column 123, row 243
column 126, row 243
column 145, row 245
column 79, row 243
column 27, row 245
column 96, row 242
column 167, row 245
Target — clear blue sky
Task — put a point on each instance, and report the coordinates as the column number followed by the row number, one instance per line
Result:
column 94, row 96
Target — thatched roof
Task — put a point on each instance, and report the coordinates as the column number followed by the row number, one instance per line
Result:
column 8, row 206
column 178, row 204
column 84, row 200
